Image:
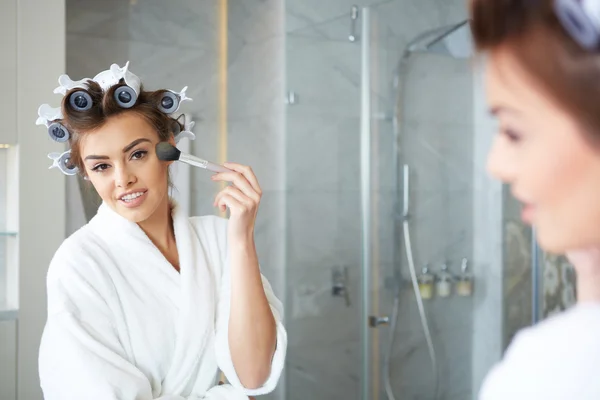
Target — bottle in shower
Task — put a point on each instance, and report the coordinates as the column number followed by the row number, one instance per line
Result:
column 444, row 282
column 464, row 286
column 426, row 280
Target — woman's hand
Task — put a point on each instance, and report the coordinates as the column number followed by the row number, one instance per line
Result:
column 242, row 198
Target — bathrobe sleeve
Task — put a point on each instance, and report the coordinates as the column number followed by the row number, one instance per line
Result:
column 223, row 352
column 81, row 356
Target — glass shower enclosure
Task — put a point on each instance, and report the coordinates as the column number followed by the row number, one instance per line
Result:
column 390, row 213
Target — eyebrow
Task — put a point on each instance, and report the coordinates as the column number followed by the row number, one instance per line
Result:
column 495, row 111
column 125, row 149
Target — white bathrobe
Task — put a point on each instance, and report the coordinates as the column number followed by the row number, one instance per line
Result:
column 557, row 359
column 124, row 324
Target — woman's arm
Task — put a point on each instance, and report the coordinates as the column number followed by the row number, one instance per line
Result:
column 252, row 333
column 252, row 328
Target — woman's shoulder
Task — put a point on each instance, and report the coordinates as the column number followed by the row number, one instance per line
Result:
column 578, row 327
column 81, row 249
column 79, row 242
column 557, row 357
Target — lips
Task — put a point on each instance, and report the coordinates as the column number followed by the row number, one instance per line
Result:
column 133, row 198
column 132, row 194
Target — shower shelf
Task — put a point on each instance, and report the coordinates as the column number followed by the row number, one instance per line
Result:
column 8, row 314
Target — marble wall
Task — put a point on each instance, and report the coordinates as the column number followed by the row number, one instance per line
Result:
column 558, row 285
column 437, row 144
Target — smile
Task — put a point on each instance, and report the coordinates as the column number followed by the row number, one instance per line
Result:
column 132, row 196
column 133, row 199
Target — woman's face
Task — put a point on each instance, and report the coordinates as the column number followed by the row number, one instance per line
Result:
column 121, row 162
column 542, row 154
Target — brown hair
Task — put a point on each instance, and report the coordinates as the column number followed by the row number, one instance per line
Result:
column 531, row 31
column 104, row 107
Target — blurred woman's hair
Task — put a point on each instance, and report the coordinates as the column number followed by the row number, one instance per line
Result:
column 531, row 31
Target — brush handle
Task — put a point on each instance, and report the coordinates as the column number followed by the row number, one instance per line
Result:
column 198, row 162
column 216, row 167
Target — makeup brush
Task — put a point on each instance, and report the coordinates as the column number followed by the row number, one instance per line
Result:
column 167, row 152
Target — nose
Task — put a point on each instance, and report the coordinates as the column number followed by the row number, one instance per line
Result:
column 500, row 162
column 124, row 177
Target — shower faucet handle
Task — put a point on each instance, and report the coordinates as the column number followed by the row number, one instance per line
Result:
column 352, row 36
column 464, row 264
column 375, row 321
column 339, row 283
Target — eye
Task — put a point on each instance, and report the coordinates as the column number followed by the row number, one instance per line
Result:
column 511, row 135
column 100, row 167
column 138, row 155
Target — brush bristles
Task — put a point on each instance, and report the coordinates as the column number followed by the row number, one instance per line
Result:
column 167, row 152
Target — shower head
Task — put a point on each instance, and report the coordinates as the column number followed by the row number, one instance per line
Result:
column 451, row 40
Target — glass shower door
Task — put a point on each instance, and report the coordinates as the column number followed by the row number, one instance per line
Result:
column 423, row 210
column 341, row 199
column 378, row 197
column 323, row 210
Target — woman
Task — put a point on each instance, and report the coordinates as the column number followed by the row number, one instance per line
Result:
column 543, row 85
column 145, row 302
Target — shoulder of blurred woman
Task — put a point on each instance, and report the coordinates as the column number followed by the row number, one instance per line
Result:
column 557, row 358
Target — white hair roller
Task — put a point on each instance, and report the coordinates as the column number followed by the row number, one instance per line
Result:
column 581, row 19
column 128, row 87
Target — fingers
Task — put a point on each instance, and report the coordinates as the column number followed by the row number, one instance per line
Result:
column 234, row 193
column 236, row 202
column 239, row 181
column 247, row 173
